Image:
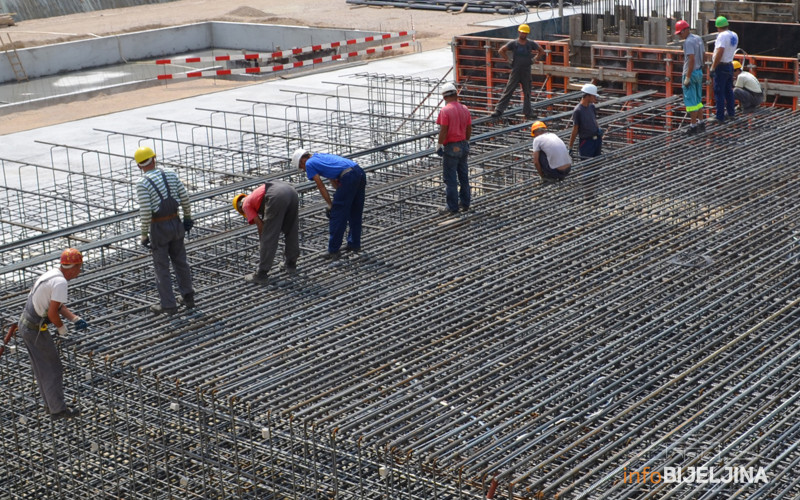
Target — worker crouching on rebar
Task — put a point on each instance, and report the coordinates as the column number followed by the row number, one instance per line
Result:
column 747, row 89
column 455, row 130
column 159, row 191
column 550, row 154
column 347, row 205
column 47, row 303
column 273, row 208
column 585, row 128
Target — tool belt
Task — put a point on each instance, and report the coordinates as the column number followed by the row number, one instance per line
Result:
column 162, row 219
column 30, row 323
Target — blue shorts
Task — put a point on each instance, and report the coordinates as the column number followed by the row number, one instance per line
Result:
column 693, row 94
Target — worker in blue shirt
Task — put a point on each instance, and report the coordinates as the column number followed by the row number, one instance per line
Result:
column 347, row 205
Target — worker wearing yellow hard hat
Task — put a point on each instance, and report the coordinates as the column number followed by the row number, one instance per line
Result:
column 273, row 207
column 520, row 54
column 746, row 89
column 161, row 193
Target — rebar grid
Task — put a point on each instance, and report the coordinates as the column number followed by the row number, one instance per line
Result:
column 639, row 314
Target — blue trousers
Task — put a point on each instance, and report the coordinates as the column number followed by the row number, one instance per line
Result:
column 455, row 173
column 589, row 148
column 348, row 208
column 723, row 90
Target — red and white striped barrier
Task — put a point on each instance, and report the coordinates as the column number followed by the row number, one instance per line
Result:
column 281, row 67
column 285, row 53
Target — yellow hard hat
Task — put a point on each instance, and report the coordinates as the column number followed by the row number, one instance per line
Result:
column 524, row 28
column 142, row 155
column 737, row 65
column 536, row 126
column 236, row 200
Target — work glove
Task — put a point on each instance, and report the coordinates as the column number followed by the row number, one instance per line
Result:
column 687, row 81
column 440, row 151
column 80, row 324
column 62, row 331
column 328, row 213
column 188, row 224
column 145, row 241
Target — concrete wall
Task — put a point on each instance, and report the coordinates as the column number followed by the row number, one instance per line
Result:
column 35, row 9
column 164, row 42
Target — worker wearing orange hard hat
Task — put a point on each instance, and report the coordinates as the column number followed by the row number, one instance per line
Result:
column 692, row 79
column 46, row 303
column 273, row 208
column 550, row 154
column 524, row 53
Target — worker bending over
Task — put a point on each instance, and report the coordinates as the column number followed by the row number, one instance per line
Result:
column 159, row 193
column 550, row 154
column 47, row 304
column 347, row 205
column 747, row 90
column 273, row 208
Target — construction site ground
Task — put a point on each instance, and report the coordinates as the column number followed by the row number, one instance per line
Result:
column 433, row 30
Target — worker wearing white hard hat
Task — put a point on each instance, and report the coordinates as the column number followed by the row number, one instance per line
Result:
column 693, row 55
column 524, row 53
column 585, row 128
column 346, row 207
column 455, row 130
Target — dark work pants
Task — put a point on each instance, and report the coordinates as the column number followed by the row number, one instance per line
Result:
column 348, row 208
column 166, row 241
column 723, row 90
column 518, row 76
column 747, row 99
column 280, row 216
column 47, row 367
column 550, row 172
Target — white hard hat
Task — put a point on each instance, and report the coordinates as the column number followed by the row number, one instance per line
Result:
column 299, row 153
column 448, row 88
column 590, row 89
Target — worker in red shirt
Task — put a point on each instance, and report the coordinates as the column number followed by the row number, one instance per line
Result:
column 455, row 129
column 273, row 208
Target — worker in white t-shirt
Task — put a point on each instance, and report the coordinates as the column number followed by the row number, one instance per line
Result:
column 746, row 90
column 550, row 154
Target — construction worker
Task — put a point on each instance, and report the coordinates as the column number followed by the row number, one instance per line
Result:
column 721, row 69
column 693, row 54
column 347, row 205
column 522, row 57
column 550, row 154
column 455, row 129
column 746, row 90
column 160, row 193
column 47, row 304
column 585, row 128
column 273, row 208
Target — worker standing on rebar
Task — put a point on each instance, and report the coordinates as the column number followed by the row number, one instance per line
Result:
column 159, row 193
column 47, row 304
column 347, row 205
column 455, row 129
column 585, row 128
column 693, row 55
column 550, row 154
column 746, row 90
column 721, row 69
column 524, row 53
column 273, row 208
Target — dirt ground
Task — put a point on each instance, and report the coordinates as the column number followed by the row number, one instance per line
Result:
column 433, row 30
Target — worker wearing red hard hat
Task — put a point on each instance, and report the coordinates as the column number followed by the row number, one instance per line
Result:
column 160, row 193
column 273, row 207
column 550, row 154
column 46, row 303
column 524, row 53
column 692, row 80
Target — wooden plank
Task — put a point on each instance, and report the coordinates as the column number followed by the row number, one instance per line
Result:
column 605, row 74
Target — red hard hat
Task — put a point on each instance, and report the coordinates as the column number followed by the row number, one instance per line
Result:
column 680, row 26
column 71, row 256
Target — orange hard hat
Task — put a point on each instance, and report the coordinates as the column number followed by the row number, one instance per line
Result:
column 537, row 125
column 71, row 256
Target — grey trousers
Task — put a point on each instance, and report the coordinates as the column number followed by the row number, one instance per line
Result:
column 166, row 241
column 747, row 99
column 280, row 216
column 47, row 367
column 517, row 77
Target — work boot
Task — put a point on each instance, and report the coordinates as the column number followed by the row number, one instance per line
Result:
column 447, row 211
column 66, row 414
column 348, row 249
column 332, row 256
column 290, row 267
column 187, row 300
column 257, row 278
column 463, row 208
column 158, row 309
column 692, row 130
